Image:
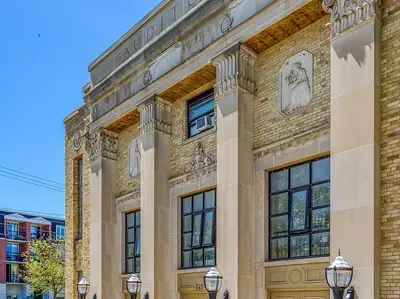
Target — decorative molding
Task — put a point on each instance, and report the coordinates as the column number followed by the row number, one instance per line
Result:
column 200, row 158
column 346, row 14
column 77, row 141
column 102, row 143
column 193, row 176
column 155, row 115
column 122, row 200
column 235, row 68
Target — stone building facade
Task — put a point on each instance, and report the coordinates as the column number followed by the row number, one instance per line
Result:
column 256, row 136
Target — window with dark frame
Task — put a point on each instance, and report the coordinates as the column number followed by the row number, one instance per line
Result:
column 201, row 115
column 132, row 241
column 198, row 232
column 299, row 211
column 79, row 186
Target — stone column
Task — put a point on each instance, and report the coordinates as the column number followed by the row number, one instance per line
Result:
column 102, row 147
column 235, row 171
column 355, row 139
column 155, row 129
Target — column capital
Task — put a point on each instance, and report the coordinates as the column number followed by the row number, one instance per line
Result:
column 345, row 14
column 155, row 116
column 101, row 143
column 235, row 69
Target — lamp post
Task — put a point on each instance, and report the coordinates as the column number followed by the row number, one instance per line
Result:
column 339, row 276
column 133, row 285
column 83, row 287
column 212, row 282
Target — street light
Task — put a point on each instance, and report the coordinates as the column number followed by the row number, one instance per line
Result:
column 83, row 287
column 212, row 282
column 339, row 276
column 133, row 285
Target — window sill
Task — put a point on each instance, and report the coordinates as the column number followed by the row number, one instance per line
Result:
column 199, row 136
column 325, row 259
column 194, row 270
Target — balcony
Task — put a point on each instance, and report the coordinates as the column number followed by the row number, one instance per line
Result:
column 15, row 235
column 40, row 235
column 15, row 257
column 14, row 278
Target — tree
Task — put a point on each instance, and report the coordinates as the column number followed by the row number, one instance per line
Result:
column 44, row 269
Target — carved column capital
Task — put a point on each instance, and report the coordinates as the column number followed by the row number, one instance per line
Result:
column 235, row 69
column 155, row 116
column 101, row 143
column 346, row 14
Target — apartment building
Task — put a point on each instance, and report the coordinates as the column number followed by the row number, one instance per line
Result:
column 17, row 229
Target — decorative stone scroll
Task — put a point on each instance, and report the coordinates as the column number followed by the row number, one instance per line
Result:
column 235, row 68
column 296, row 83
column 102, row 143
column 200, row 159
column 347, row 13
column 155, row 115
column 134, row 158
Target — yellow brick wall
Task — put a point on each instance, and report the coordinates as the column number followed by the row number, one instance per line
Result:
column 271, row 127
column 390, row 151
column 124, row 183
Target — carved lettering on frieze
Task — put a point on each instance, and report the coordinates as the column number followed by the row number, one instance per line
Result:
column 296, row 83
column 347, row 13
column 102, row 143
column 134, row 158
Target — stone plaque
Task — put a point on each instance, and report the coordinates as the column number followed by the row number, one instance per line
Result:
column 296, row 83
column 134, row 158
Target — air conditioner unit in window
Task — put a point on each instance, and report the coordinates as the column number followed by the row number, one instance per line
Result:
column 204, row 123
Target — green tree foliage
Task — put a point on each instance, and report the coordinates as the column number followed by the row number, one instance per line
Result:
column 44, row 269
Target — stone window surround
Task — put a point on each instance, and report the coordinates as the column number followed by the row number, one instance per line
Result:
column 315, row 148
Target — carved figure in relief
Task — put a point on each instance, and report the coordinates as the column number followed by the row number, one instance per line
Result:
column 296, row 83
column 299, row 87
column 134, row 158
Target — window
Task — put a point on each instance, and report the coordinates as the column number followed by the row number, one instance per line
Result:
column 60, row 231
column 79, row 187
column 201, row 116
column 198, row 230
column 13, row 252
column 35, row 232
column 299, row 210
column 132, row 241
column 12, row 230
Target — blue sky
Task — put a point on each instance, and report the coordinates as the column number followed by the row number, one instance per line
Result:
column 45, row 49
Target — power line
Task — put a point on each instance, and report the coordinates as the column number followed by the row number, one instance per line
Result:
column 30, row 175
column 9, row 173
column 23, row 180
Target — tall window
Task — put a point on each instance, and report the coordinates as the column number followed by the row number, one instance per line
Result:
column 299, row 213
column 198, row 230
column 79, row 187
column 13, row 253
column 35, row 232
column 132, row 240
column 13, row 230
column 201, row 116
column 60, row 231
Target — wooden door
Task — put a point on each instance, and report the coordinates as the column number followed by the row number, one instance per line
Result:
column 299, row 294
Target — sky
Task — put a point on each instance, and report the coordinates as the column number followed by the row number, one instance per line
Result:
column 45, row 49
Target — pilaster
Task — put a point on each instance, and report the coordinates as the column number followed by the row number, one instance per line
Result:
column 355, row 125
column 235, row 171
column 156, row 269
column 102, row 147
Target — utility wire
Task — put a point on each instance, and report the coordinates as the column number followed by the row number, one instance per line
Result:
column 30, row 175
column 9, row 173
column 24, row 180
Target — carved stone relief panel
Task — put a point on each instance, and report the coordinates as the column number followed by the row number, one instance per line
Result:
column 200, row 158
column 301, row 276
column 296, row 81
column 134, row 158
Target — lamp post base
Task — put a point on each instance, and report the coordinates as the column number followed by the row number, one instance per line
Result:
column 212, row 295
column 338, row 293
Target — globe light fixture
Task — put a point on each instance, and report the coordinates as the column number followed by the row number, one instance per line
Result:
column 339, row 276
column 133, row 285
column 83, row 287
column 212, row 282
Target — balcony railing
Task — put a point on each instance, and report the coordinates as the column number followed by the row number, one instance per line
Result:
column 42, row 235
column 15, row 257
column 15, row 235
column 14, row 278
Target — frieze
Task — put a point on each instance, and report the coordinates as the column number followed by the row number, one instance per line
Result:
column 346, row 14
column 101, row 143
